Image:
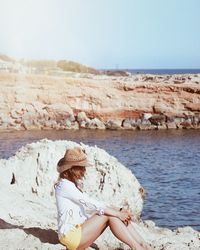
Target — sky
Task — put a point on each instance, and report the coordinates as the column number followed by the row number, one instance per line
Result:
column 135, row 34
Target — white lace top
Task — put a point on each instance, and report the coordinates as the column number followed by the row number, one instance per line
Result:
column 74, row 207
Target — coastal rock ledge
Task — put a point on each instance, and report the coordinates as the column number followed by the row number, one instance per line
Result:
column 27, row 202
column 137, row 102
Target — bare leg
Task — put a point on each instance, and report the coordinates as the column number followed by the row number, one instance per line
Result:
column 93, row 227
column 138, row 237
column 122, row 232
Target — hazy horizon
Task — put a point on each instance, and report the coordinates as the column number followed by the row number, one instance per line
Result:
column 133, row 34
column 114, row 68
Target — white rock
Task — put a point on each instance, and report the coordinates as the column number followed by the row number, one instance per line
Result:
column 82, row 117
column 95, row 123
column 146, row 116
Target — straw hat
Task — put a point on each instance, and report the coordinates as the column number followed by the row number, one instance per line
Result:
column 72, row 157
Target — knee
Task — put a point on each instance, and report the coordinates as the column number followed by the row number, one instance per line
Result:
column 111, row 218
column 105, row 217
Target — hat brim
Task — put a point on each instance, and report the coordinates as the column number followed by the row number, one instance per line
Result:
column 68, row 165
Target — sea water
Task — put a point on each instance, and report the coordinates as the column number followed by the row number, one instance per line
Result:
column 164, row 71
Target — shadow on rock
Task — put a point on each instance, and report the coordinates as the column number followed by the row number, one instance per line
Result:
column 6, row 225
column 44, row 235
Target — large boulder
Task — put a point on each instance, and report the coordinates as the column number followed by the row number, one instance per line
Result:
column 30, row 175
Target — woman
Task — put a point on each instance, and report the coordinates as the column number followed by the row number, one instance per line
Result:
column 81, row 219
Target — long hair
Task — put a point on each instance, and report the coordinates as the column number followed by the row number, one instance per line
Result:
column 71, row 174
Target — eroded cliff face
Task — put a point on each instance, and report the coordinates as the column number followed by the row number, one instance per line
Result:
column 27, row 203
column 102, row 102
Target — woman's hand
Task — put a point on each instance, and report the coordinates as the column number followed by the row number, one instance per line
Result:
column 125, row 216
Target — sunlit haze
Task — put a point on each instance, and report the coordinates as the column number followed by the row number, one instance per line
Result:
column 103, row 34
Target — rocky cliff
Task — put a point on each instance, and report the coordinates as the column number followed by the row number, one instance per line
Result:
column 27, row 202
column 103, row 102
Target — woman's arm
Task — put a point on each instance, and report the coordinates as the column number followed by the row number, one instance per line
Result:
column 69, row 190
column 123, row 215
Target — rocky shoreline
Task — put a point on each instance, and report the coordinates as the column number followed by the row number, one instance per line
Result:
column 137, row 102
column 27, row 203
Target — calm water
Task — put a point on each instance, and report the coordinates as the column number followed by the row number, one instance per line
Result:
column 164, row 71
column 166, row 163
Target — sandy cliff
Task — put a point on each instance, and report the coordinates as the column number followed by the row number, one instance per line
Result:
column 27, row 202
column 104, row 102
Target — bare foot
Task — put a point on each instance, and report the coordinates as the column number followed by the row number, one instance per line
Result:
column 139, row 246
column 145, row 246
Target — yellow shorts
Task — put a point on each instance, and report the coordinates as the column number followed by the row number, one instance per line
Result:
column 72, row 239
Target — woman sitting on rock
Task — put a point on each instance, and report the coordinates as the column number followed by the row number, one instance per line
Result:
column 82, row 219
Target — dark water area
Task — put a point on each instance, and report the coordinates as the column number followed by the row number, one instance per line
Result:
column 164, row 71
column 166, row 163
